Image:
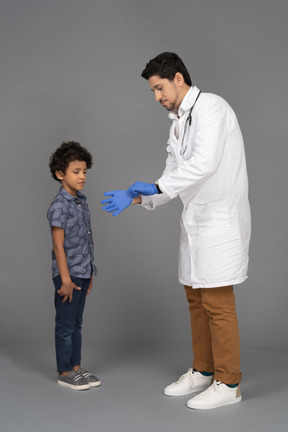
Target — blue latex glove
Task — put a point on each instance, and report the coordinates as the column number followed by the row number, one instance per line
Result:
column 117, row 202
column 140, row 188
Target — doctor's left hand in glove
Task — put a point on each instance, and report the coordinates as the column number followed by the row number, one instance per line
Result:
column 119, row 200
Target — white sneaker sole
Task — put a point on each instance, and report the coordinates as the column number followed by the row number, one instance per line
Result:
column 73, row 387
column 211, row 406
column 95, row 384
column 168, row 392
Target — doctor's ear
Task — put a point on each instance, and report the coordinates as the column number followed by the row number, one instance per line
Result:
column 179, row 79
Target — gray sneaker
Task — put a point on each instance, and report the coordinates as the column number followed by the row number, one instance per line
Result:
column 73, row 380
column 92, row 379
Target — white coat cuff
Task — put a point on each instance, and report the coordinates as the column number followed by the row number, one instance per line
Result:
column 153, row 201
column 165, row 189
column 147, row 202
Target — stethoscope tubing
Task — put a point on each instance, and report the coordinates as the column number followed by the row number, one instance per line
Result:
column 188, row 120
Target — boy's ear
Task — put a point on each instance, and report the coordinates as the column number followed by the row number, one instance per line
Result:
column 59, row 175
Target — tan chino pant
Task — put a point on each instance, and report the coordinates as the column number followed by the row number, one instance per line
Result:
column 215, row 332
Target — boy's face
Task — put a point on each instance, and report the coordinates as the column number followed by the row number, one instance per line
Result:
column 74, row 178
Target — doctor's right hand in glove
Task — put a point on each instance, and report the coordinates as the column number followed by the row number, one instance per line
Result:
column 140, row 188
column 119, row 200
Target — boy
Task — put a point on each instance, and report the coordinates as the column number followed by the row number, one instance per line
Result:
column 72, row 261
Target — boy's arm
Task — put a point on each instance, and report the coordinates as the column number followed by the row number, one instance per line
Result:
column 66, row 290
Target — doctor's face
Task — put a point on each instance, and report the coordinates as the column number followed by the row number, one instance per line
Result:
column 166, row 92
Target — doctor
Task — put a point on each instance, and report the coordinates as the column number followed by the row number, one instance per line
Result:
column 206, row 168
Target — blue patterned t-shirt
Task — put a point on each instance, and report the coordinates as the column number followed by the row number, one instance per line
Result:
column 73, row 216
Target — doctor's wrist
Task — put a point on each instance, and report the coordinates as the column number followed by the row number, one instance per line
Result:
column 159, row 191
column 137, row 200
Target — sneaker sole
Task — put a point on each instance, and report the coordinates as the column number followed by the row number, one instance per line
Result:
column 95, row 384
column 236, row 400
column 79, row 387
column 186, row 392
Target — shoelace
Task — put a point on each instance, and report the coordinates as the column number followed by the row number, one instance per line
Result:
column 210, row 390
column 187, row 375
column 77, row 377
column 86, row 374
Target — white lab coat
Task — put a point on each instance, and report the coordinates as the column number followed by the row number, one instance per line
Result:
column 211, row 180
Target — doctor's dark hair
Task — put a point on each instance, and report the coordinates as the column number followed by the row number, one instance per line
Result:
column 66, row 153
column 166, row 65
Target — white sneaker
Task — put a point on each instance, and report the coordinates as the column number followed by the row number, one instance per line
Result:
column 217, row 395
column 191, row 382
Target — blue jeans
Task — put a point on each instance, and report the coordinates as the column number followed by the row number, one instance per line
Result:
column 68, row 324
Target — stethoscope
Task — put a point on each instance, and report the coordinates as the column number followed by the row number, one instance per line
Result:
column 188, row 120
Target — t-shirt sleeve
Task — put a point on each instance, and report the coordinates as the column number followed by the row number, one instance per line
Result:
column 57, row 216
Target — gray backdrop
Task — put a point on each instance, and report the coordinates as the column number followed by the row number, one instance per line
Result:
column 70, row 70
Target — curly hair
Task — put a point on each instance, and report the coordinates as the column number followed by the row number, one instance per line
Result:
column 66, row 153
column 166, row 65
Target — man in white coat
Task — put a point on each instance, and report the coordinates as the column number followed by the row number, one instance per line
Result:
column 206, row 168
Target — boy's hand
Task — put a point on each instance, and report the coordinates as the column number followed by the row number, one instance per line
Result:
column 66, row 291
column 90, row 286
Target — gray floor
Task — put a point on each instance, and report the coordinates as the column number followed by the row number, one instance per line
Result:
column 130, row 398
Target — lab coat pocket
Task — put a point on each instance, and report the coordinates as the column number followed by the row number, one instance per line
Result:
column 169, row 147
column 187, row 152
column 188, row 220
column 170, row 150
column 212, row 219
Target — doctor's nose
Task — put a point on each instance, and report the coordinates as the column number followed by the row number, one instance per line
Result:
column 158, row 95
